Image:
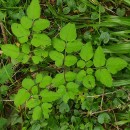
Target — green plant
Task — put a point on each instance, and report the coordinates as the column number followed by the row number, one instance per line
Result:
column 69, row 76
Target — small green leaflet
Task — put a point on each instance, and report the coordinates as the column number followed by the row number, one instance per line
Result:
column 21, row 97
column 46, row 107
column 25, row 48
column 86, row 52
column 32, row 103
column 99, row 57
column 37, row 113
column 19, row 31
column 41, row 40
column 46, row 81
column 104, row 118
column 70, row 60
column 68, row 32
column 26, row 22
column 10, row 50
column 34, row 90
column 58, row 80
column 81, row 64
column 27, row 83
column 115, row 64
column 36, row 59
column 40, row 24
column 58, row 44
column 34, row 11
column 89, row 81
column 74, row 46
column 70, row 76
column 104, row 76
column 80, row 75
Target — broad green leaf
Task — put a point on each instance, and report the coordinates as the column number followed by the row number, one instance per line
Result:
column 64, row 107
column 40, row 40
column 61, row 90
column 6, row 73
column 46, row 81
column 10, row 50
column 41, row 24
column 46, row 107
column 23, row 39
column 103, row 118
column 70, row 60
column 26, row 22
column 86, row 52
column 89, row 82
column 21, row 97
column 49, row 96
column 39, row 78
column 68, row 32
column 89, row 71
column 99, row 57
column 55, row 55
column 32, row 103
column 81, row 64
column 27, row 83
column 34, row 11
column 37, row 113
column 104, row 76
column 36, row 59
column 34, row 90
column 80, row 75
column 44, row 53
column 19, row 31
column 70, row 76
column 115, row 64
column 89, row 63
column 58, row 80
column 25, row 58
column 25, row 48
column 58, row 44
column 74, row 46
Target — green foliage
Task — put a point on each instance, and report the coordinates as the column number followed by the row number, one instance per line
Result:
column 68, row 77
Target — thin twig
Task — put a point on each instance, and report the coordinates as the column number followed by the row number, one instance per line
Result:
column 3, row 32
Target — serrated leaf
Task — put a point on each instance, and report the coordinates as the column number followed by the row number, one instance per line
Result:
column 103, row 118
column 34, row 11
column 46, row 81
column 27, row 83
column 115, row 64
column 20, row 99
column 104, row 76
column 58, row 80
column 46, row 107
column 41, row 40
column 99, row 57
column 68, row 32
column 74, row 46
column 70, row 60
column 19, row 31
column 86, row 52
column 70, row 76
column 26, row 22
column 32, row 103
column 89, row 81
column 10, row 50
column 37, row 113
column 40, row 24
column 58, row 44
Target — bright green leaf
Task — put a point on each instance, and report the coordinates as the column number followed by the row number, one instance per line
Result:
column 115, row 64
column 68, row 32
column 70, row 76
column 32, row 103
column 27, row 83
column 34, row 11
column 70, row 60
column 86, row 52
column 80, row 75
column 99, row 57
column 81, row 64
column 103, row 118
column 10, row 50
column 41, row 24
column 37, row 113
